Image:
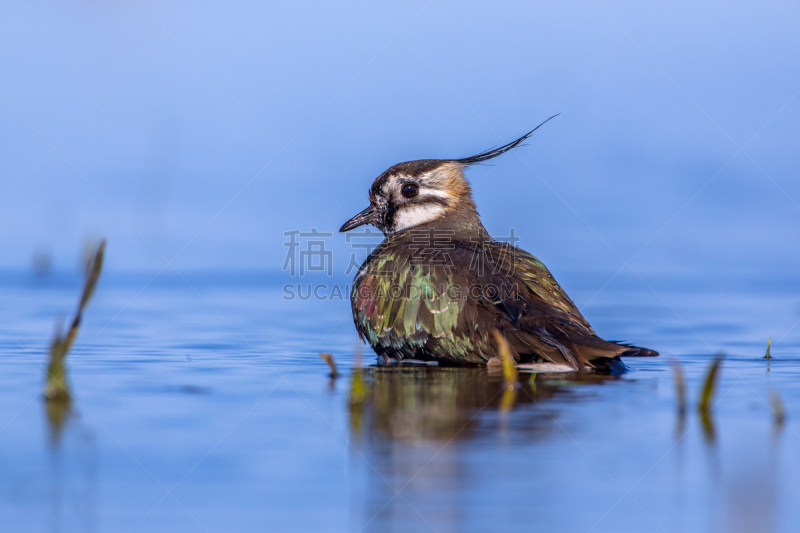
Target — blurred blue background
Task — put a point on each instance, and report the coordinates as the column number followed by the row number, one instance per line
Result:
column 193, row 134
column 199, row 132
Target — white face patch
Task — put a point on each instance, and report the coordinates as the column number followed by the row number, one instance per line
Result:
column 414, row 215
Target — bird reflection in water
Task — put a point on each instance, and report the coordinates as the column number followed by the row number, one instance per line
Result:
column 417, row 427
column 442, row 404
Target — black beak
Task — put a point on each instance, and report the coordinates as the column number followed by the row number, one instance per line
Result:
column 364, row 217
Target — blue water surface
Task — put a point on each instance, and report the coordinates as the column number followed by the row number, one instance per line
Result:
column 200, row 403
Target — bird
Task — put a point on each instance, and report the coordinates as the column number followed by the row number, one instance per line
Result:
column 440, row 288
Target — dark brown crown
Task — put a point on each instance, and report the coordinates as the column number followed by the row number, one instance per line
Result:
column 416, row 168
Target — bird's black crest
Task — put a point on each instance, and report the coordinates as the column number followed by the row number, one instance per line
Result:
column 494, row 152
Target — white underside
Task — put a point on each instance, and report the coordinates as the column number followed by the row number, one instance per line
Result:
column 544, row 367
column 524, row 368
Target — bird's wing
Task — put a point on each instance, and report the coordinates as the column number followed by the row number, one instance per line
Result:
column 538, row 316
column 449, row 304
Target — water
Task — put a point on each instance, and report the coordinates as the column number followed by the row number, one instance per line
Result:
column 201, row 404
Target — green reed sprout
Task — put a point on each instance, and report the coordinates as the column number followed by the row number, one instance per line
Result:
column 57, row 389
column 709, row 386
column 509, row 373
column 509, row 365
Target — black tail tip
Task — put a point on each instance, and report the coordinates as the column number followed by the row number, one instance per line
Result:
column 635, row 351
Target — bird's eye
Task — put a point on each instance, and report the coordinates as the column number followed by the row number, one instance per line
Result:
column 409, row 190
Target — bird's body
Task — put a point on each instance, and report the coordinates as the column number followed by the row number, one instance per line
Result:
column 438, row 287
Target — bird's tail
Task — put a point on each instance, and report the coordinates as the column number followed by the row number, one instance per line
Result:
column 599, row 353
column 580, row 349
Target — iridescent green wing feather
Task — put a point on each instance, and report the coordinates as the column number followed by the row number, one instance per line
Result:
column 403, row 304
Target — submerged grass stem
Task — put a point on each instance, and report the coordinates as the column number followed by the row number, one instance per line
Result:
column 680, row 387
column 778, row 410
column 709, row 386
column 328, row 358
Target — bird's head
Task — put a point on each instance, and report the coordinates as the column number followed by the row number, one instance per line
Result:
column 418, row 192
column 413, row 193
